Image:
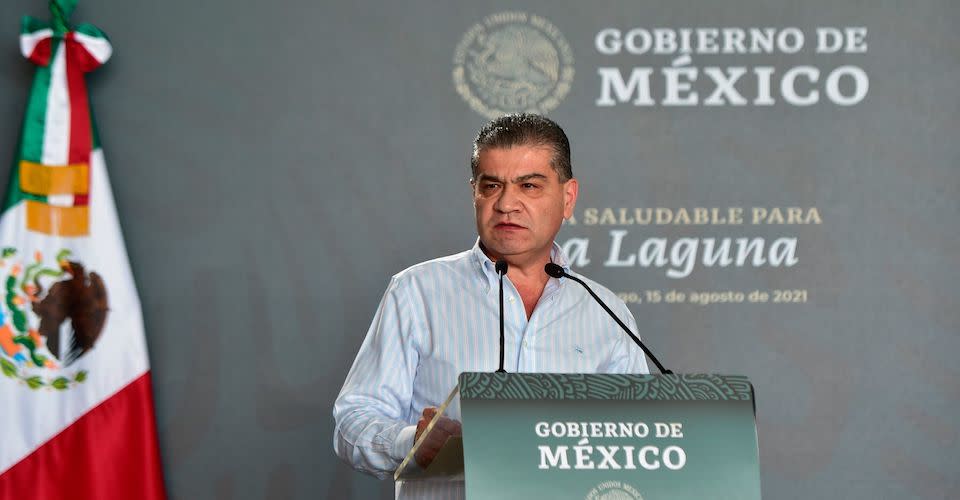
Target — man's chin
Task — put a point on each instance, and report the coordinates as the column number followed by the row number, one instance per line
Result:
column 500, row 248
column 507, row 248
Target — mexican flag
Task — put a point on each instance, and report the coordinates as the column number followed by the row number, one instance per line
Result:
column 76, row 404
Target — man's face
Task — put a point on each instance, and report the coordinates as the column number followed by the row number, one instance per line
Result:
column 520, row 202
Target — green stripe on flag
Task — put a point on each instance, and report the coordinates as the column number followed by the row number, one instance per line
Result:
column 34, row 121
column 30, row 24
column 90, row 30
column 34, row 125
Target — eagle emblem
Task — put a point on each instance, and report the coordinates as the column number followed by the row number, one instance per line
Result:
column 50, row 316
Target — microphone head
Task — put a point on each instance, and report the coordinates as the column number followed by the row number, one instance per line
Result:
column 553, row 270
column 501, row 267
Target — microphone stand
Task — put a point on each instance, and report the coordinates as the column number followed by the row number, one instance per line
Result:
column 556, row 271
column 501, row 270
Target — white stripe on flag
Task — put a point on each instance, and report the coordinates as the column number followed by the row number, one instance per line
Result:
column 60, row 200
column 56, row 131
column 29, row 41
column 99, row 48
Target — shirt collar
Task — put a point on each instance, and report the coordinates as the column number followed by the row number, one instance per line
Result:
column 488, row 271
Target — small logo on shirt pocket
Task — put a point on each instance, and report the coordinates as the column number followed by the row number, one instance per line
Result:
column 578, row 349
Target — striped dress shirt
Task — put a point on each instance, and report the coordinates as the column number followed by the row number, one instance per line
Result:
column 440, row 318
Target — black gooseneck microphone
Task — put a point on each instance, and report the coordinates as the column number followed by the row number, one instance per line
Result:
column 501, row 270
column 556, row 271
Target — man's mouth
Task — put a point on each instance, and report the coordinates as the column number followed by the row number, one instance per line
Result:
column 508, row 225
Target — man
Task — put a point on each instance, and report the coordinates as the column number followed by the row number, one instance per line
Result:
column 440, row 318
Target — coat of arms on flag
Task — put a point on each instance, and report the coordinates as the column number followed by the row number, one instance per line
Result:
column 30, row 342
column 73, row 357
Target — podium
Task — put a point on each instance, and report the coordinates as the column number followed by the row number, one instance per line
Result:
column 599, row 436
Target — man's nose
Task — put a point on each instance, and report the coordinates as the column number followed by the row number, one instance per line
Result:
column 508, row 200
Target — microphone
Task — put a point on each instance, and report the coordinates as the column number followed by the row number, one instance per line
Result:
column 501, row 268
column 556, row 271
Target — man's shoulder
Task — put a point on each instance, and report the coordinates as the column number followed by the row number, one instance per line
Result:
column 449, row 266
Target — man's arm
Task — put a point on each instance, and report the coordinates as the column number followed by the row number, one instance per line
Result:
column 373, row 432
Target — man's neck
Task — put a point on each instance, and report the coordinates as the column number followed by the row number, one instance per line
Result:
column 530, row 272
column 524, row 269
column 530, row 280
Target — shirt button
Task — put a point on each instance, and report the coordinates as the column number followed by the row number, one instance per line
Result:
column 511, row 300
column 525, row 344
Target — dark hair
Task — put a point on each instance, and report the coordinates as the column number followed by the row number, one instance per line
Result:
column 524, row 129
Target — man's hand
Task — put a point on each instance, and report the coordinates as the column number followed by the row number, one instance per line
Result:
column 443, row 429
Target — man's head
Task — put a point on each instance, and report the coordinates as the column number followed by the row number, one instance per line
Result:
column 522, row 187
column 527, row 130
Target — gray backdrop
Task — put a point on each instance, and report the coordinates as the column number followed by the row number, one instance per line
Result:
column 275, row 163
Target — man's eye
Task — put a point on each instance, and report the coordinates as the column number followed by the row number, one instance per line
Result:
column 490, row 186
column 529, row 185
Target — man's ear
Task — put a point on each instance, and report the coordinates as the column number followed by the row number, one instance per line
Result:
column 571, row 189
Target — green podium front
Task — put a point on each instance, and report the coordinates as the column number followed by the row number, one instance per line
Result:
column 591, row 436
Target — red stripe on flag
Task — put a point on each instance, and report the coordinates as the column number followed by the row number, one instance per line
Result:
column 81, row 139
column 41, row 52
column 110, row 452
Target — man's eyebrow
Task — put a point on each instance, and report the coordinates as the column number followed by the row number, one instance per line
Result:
column 488, row 177
column 516, row 180
column 525, row 178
